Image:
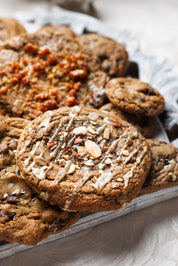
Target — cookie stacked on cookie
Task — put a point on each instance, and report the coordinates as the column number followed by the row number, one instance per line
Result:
column 72, row 157
column 24, row 217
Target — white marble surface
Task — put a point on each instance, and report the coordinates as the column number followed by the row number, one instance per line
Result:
column 147, row 237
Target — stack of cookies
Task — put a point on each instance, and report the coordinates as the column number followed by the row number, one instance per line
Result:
column 74, row 132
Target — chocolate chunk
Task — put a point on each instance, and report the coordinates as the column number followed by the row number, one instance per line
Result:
column 55, row 227
column 169, row 178
column 11, row 215
column 12, row 199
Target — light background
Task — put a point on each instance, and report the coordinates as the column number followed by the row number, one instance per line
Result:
column 147, row 237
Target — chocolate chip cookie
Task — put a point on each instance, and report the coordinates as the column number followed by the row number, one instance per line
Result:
column 112, row 55
column 10, row 27
column 25, row 218
column 135, row 97
column 81, row 159
column 164, row 169
column 144, row 126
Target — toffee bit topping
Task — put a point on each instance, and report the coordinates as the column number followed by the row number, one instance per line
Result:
column 93, row 149
column 41, row 160
column 79, row 140
column 111, row 149
column 115, row 122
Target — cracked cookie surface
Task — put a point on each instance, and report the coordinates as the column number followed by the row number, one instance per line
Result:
column 82, row 159
column 112, row 55
column 135, row 97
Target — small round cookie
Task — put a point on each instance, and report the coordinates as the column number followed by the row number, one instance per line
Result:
column 164, row 169
column 112, row 55
column 84, row 160
column 10, row 27
column 24, row 218
column 144, row 126
column 58, row 29
column 135, row 97
column 10, row 130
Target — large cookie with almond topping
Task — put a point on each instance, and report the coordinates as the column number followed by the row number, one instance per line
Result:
column 144, row 126
column 135, row 97
column 112, row 55
column 164, row 169
column 82, row 159
column 45, row 74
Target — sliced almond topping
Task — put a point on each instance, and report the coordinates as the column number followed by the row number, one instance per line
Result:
column 64, row 134
column 93, row 149
column 81, row 150
column 108, row 161
column 119, row 179
column 66, row 157
column 125, row 152
column 106, row 133
column 89, row 163
column 80, row 130
column 99, row 138
column 101, row 166
column 91, row 130
column 72, row 169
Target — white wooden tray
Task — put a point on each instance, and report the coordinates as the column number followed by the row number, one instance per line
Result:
column 159, row 75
